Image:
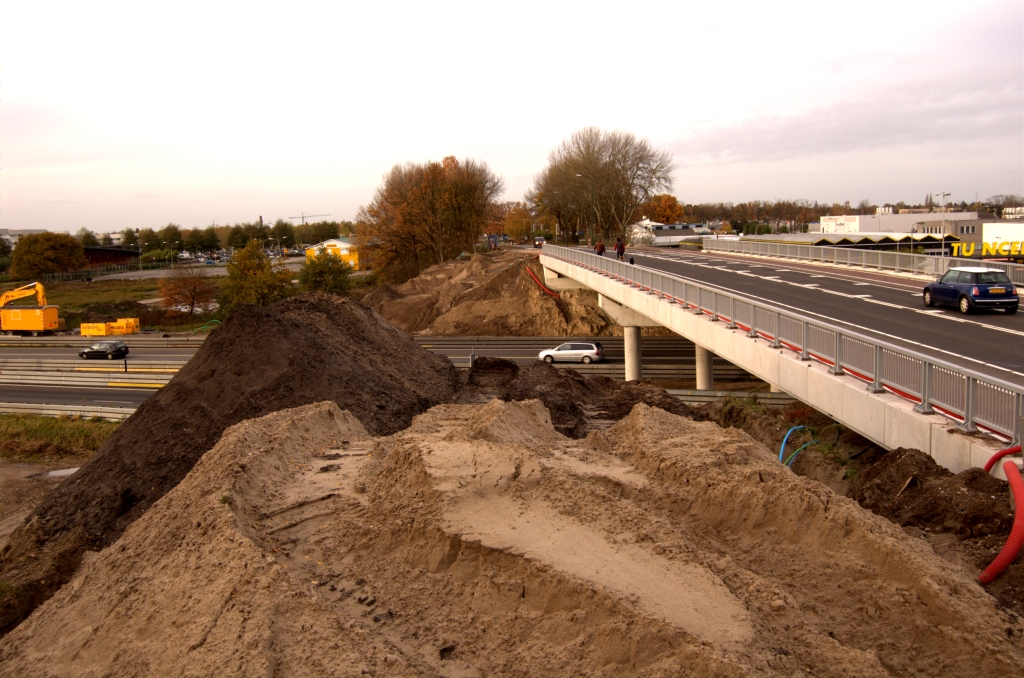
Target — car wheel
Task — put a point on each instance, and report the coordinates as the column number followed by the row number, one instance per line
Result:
column 965, row 305
column 110, row 356
column 928, row 301
column 586, row 360
column 548, row 359
column 1011, row 310
column 82, row 356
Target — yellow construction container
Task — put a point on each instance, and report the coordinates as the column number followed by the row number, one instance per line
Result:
column 38, row 319
column 95, row 329
column 28, row 319
column 121, row 326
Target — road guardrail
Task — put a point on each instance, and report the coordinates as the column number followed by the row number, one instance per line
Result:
column 76, row 341
column 133, row 366
column 976, row 401
column 110, row 413
column 894, row 262
column 691, row 397
column 93, row 380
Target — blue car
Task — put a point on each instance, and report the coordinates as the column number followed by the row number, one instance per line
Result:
column 969, row 288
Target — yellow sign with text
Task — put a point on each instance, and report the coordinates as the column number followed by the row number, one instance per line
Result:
column 1006, row 248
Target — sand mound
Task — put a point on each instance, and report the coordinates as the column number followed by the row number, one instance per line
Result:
column 965, row 517
column 306, row 349
column 489, row 295
column 661, row 546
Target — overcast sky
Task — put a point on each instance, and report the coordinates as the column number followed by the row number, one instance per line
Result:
column 139, row 114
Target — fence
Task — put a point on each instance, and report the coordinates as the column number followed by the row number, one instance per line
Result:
column 898, row 262
column 976, row 401
column 86, row 273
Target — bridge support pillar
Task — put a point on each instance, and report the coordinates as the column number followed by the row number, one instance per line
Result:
column 633, row 345
column 705, row 369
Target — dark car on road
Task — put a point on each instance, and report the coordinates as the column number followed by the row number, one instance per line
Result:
column 969, row 288
column 110, row 350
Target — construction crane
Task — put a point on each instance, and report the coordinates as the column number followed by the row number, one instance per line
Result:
column 303, row 216
column 31, row 320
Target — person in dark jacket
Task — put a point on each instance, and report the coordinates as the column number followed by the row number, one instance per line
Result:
column 620, row 249
column 599, row 248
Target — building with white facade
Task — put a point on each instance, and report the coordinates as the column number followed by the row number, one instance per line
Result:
column 890, row 223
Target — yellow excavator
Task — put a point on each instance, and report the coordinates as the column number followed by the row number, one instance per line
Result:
column 28, row 320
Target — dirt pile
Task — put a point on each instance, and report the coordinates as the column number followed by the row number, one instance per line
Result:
column 306, row 349
column 965, row 517
column 481, row 542
column 489, row 295
column 577, row 404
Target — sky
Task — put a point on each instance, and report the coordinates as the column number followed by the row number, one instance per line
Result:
column 134, row 115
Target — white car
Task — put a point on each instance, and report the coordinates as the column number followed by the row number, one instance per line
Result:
column 574, row 352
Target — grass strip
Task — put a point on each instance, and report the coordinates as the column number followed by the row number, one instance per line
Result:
column 75, row 432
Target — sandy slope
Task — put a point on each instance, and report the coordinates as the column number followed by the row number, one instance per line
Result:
column 480, row 541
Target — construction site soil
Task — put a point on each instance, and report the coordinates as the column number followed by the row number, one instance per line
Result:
column 966, row 517
column 481, row 541
column 491, row 295
column 402, row 518
column 306, row 349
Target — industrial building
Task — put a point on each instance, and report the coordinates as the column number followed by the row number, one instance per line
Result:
column 892, row 223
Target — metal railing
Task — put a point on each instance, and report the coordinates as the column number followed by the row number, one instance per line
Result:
column 98, row 412
column 976, row 401
column 86, row 379
column 898, row 262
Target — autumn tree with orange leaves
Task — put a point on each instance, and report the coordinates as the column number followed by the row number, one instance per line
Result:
column 426, row 214
column 664, row 209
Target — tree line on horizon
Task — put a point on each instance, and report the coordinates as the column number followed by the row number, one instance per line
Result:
column 595, row 185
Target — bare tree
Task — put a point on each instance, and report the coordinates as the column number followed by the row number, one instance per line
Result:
column 597, row 181
column 186, row 286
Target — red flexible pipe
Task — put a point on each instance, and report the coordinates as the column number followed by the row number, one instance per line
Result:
column 1016, row 539
column 999, row 455
column 533, row 275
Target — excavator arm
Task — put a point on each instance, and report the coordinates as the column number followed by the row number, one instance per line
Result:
column 25, row 291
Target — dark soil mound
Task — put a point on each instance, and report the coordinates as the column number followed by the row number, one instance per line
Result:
column 303, row 350
column 577, row 404
column 969, row 504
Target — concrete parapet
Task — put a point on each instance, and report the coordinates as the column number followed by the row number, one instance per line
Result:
column 884, row 418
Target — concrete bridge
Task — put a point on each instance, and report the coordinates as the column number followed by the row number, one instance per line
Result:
column 890, row 394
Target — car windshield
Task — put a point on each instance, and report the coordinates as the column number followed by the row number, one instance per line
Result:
column 100, row 346
column 990, row 277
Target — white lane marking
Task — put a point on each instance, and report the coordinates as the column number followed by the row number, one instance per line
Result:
column 938, row 313
column 860, row 284
column 869, row 330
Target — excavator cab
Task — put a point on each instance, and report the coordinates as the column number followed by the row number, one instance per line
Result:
column 27, row 320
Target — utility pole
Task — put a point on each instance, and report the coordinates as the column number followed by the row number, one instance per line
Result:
column 943, row 195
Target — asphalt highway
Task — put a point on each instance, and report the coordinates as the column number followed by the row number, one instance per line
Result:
column 886, row 307
column 74, row 395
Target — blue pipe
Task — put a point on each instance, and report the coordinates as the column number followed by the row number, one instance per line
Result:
column 789, row 462
column 782, row 449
